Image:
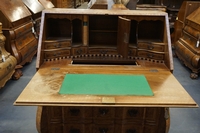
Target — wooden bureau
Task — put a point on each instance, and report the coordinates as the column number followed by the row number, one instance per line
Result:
column 93, row 41
column 187, row 47
column 17, row 28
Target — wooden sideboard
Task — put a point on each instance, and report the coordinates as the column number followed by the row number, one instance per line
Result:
column 187, row 47
column 17, row 28
column 94, row 41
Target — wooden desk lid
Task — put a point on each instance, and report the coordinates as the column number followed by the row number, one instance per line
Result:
column 44, row 88
column 14, row 10
column 34, row 6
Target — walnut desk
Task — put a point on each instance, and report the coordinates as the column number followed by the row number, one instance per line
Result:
column 92, row 41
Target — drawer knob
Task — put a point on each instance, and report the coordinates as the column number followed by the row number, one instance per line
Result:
column 103, row 111
column 103, row 130
column 132, row 112
column 150, row 47
column 74, row 112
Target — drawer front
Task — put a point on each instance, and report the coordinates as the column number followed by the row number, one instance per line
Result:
column 103, row 113
column 151, row 47
column 190, row 42
column 131, row 113
column 79, row 51
column 77, row 114
column 132, row 52
column 56, row 44
column 128, row 128
column 102, row 51
column 24, row 40
column 77, row 128
column 54, row 114
column 23, row 29
column 103, row 128
column 150, row 55
column 152, row 114
column 28, row 50
column 56, row 54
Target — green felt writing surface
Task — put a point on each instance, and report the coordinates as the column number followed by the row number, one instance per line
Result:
column 105, row 84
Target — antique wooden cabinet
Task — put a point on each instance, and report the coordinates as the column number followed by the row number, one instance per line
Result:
column 93, row 41
column 17, row 27
column 186, row 9
column 7, row 61
column 36, row 10
column 187, row 47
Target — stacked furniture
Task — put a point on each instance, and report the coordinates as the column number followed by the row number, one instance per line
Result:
column 17, row 27
column 7, row 61
column 187, row 47
column 110, row 42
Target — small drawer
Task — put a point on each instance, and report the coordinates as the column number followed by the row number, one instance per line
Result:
column 77, row 113
column 128, row 128
column 129, row 113
column 103, row 128
column 56, row 53
column 151, row 46
column 102, row 51
column 54, row 44
column 151, row 55
column 103, row 113
column 79, row 51
column 152, row 114
column 74, row 127
column 132, row 52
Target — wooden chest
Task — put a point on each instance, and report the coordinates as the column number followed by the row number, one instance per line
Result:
column 187, row 47
column 103, row 41
column 18, row 29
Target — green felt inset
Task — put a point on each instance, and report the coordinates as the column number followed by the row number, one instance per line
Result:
column 105, row 84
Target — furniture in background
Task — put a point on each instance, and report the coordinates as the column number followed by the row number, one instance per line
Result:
column 7, row 61
column 66, row 3
column 17, row 28
column 186, row 9
column 35, row 8
column 187, row 47
column 46, row 4
column 104, row 42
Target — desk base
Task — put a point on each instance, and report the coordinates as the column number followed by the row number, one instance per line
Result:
column 78, row 119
